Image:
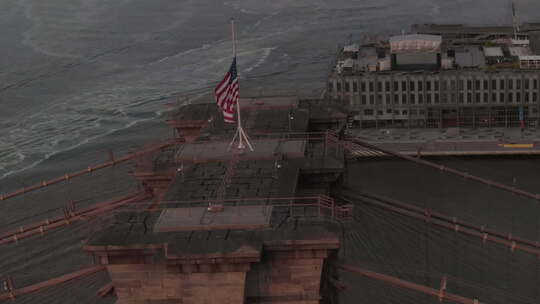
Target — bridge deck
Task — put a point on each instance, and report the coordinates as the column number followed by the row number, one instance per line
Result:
column 462, row 142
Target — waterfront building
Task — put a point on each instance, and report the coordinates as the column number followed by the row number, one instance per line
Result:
column 442, row 76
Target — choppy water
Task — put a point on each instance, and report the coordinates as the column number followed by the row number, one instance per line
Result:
column 72, row 72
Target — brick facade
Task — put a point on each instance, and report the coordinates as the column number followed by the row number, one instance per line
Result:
column 284, row 274
column 154, row 283
column 287, row 277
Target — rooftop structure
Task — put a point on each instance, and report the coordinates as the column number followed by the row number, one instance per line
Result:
column 443, row 76
column 428, row 49
column 493, row 52
column 416, row 43
column 222, row 221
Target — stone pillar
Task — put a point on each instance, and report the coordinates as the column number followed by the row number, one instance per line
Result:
column 154, row 283
column 142, row 277
column 189, row 129
column 290, row 276
column 159, row 257
column 190, row 132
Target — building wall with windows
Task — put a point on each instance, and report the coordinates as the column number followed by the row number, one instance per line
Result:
column 436, row 99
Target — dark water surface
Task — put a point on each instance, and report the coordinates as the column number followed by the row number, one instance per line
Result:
column 74, row 71
column 79, row 78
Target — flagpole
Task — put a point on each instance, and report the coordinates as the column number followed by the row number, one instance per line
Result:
column 239, row 120
column 233, row 35
column 242, row 136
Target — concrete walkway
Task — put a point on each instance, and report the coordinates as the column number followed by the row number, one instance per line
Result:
column 454, row 141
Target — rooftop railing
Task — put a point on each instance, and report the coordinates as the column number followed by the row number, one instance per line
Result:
column 319, row 207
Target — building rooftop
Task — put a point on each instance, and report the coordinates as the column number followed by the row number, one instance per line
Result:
column 444, row 47
column 461, row 30
column 351, row 48
column 200, row 218
column 469, row 57
column 134, row 231
column 415, row 43
column 494, row 51
column 517, row 51
column 219, row 150
column 247, row 178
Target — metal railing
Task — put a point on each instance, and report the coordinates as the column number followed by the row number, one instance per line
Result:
column 315, row 207
column 509, row 188
column 69, row 215
column 112, row 162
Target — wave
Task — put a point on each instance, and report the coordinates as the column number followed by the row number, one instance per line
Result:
column 29, row 149
column 119, row 99
column 435, row 10
column 34, row 139
column 241, row 8
column 205, row 46
column 266, row 53
column 71, row 147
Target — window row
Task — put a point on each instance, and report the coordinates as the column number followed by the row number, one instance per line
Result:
column 371, row 112
column 383, row 86
column 399, row 98
column 462, row 84
column 485, row 97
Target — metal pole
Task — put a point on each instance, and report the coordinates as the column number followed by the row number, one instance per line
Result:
column 447, row 297
column 239, row 131
column 239, row 121
column 233, row 35
column 319, row 207
column 291, row 208
column 333, row 208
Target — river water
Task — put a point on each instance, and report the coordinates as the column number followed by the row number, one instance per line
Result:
column 73, row 73
column 79, row 78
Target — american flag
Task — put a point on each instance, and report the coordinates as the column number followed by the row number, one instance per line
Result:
column 227, row 93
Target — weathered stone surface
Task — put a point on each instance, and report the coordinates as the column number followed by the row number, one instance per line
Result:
column 276, row 266
column 154, row 283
